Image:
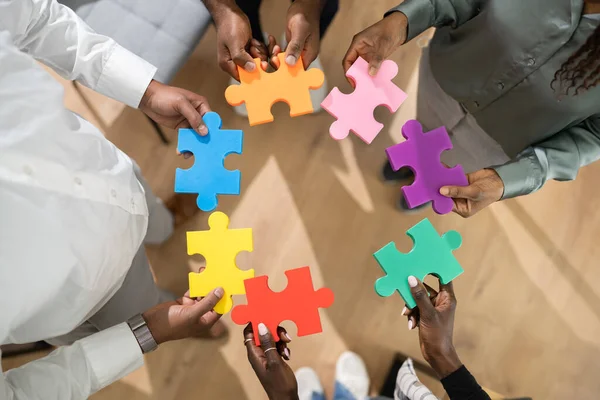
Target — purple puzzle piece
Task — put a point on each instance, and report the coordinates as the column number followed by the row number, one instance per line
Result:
column 421, row 153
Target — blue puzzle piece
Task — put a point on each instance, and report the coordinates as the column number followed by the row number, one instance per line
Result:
column 431, row 254
column 208, row 176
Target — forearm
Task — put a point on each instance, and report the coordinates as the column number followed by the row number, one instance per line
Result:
column 424, row 14
column 76, row 371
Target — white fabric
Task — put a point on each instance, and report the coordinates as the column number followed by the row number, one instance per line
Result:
column 72, row 212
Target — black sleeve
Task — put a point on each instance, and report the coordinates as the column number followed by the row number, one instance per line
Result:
column 461, row 385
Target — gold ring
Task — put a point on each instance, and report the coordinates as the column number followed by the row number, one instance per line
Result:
column 269, row 349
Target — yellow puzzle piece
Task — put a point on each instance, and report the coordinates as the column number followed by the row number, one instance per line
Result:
column 219, row 246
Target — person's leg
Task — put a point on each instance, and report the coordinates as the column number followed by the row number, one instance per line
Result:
column 351, row 378
column 309, row 385
column 252, row 9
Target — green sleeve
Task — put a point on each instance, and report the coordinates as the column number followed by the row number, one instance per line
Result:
column 560, row 157
column 423, row 14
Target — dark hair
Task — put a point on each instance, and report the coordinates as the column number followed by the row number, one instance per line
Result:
column 581, row 71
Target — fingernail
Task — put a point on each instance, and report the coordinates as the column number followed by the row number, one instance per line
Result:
column 262, row 329
column 290, row 60
column 219, row 292
column 287, row 336
column 412, row 281
column 404, row 310
column 410, row 324
column 287, row 353
column 444, row 191
column 372, row 71
column 202, row 129
column 249, row 66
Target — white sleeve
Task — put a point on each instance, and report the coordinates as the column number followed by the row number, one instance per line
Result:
column 56, row 36
column 76, row 371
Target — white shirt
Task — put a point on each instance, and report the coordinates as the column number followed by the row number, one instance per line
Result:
column 72, row 213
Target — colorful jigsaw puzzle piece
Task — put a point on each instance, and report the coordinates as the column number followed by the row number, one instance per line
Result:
column 354, row 111
column 431, row 254
column 260, row 90
column 219, row 246
column 421, row 152
column 299, row 302
column 208, row 176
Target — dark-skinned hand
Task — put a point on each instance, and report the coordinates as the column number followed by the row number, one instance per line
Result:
column 485, row 187
column 276, row 377
column 434, row 316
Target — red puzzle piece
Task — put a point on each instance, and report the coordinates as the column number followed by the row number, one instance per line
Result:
column 299, row 303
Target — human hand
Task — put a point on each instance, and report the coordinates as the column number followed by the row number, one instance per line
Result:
column 377, row 42
column 302, row 31
column 174, row 107
column 183, row 318
column 235, row 45
column 434, row 315
column 485, row 187
column 276, row 377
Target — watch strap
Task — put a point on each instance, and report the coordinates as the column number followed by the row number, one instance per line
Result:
column 142, row 333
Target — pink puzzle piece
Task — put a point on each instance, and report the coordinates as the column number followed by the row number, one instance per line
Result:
column 421, row 153
column 354, row 112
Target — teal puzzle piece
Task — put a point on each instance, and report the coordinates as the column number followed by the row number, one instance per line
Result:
column 208, row 176
column 431, row 254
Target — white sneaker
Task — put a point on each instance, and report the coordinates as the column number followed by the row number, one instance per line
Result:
column 308, row 384
column 318, row 95
column 351, row 373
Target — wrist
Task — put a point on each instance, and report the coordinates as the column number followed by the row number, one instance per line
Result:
column 157, row 320
column 150, row 90
column 444, row 362
column 398, row 23
column 283, row 396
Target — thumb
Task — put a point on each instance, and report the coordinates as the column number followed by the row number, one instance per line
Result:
column 241, row 58
column 470, row 192
column 419, row 293
column 295, row 46
column 185, row 108
column 206, row 304
column 375, row 64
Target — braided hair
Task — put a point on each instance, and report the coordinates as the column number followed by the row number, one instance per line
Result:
column 581, row 71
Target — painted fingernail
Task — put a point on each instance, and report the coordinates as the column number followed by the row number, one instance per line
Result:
column 287, row 336
column 412, row 281
column 202, row 129
column 290, row 60
column 410, row 324
column 404, row 310
column 262, row 329
column 444, row 191
column 249, row 66
column 287, row 353
column 219, row 292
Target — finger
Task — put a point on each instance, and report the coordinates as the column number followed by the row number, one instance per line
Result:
column 241, row 58
column 268, row 346
column 283, row 350
column 421, row 297
column 207, row 303
column 412, row 323
column 283, row 335
column 272, row 45
column 470, row 192
column 192, row 116
column 255, row 353
column 210, row 318
column 350, row 57
column 311, row 51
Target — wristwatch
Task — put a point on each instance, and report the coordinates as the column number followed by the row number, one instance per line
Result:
column 142, row 333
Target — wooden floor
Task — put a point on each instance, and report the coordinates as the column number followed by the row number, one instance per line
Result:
column 528, row 317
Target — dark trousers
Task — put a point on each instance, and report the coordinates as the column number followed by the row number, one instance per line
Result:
column 251, row 9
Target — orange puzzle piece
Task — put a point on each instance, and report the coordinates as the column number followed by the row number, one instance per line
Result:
column 260, row 90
